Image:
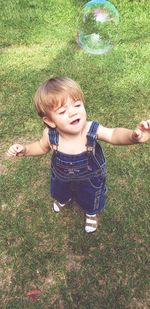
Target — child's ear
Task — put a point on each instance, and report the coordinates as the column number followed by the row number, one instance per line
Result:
column 49, row 122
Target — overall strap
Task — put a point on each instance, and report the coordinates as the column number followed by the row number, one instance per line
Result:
column 91, row 136
column 53, row 136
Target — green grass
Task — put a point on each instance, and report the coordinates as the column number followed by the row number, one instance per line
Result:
column 39, row 249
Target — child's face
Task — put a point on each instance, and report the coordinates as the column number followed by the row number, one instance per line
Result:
column 68, row 118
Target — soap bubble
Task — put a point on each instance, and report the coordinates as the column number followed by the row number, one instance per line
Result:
column 98, row 26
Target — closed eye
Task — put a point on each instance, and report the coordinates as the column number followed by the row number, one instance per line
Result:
column 77, row 104
column 62, row 112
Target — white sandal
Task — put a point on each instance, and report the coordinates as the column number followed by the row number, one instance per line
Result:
column 90, row 223
column 57, row 206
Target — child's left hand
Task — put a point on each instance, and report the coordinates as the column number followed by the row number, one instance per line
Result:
column 142, row 133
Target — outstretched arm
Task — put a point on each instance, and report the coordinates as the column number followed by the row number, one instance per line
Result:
column 34, row 149
column 123, row 136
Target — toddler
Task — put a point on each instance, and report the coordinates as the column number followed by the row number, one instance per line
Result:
column 78, row 168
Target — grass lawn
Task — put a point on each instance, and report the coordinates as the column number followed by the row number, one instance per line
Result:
column 47, row 251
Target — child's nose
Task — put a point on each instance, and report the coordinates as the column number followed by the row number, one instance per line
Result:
column 72, row 111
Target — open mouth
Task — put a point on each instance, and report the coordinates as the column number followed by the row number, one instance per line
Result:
column 75, row 121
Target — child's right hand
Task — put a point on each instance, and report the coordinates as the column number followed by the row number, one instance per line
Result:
column 16, row 150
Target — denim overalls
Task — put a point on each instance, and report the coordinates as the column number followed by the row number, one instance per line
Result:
column 81, row 177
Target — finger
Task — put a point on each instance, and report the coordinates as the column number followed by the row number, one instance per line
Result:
column 148, row 124
column 11, row 153
column 137, row 134
column 145, row 124
column 18, row 148
column 19, row 154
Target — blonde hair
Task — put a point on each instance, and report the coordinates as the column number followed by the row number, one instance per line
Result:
column 54, row 92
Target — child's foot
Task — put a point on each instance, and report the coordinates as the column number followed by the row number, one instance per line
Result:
column 58, row 206
column 90, row 223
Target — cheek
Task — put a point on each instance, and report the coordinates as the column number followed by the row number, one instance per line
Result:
column 61, row 120
column 83, row 109
column 84, row 113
